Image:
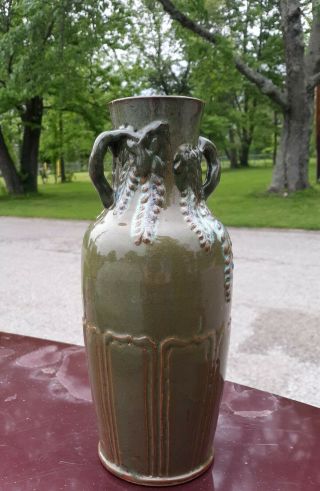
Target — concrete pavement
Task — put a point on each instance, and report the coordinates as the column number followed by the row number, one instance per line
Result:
column 275, row 343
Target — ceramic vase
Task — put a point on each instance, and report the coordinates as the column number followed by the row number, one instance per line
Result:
column 157, row 279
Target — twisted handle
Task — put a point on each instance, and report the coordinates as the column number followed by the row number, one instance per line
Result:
column 107, row 139
column 213, row 174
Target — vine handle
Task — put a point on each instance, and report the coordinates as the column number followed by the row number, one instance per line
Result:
column 111, row 140
column 213, row 174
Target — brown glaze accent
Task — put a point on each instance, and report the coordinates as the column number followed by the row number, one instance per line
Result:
column 105, row 391
column 157, row 279
column 166, row 349
column 156, row 367
column 104, row 396
column 153, row 480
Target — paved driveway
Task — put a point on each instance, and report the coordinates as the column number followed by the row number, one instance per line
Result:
column 275, row 342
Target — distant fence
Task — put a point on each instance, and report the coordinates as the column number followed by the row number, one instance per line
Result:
column 255, row 160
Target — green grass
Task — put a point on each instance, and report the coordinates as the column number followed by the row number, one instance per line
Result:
column 74, row 200
column 240, row 200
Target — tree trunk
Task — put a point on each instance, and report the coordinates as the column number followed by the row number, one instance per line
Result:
column 31, row 119
column 9, row 172
column 246, row 132
column 318, row 132
column 295, row 100
column 233, row 157
column 244, row 152
column 291, row 170
column 232, row 153
column 61, row 156
column 275, row 138
column 62, row 169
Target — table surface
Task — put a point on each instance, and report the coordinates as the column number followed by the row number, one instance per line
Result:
column 48, row 435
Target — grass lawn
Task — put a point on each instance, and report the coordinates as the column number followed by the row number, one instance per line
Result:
column 240, row 200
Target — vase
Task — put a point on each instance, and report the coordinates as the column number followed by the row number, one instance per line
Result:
column 157, row 279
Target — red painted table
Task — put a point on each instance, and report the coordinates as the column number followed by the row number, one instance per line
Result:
column 48, row 437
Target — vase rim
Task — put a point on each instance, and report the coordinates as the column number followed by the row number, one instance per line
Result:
column 164, row 97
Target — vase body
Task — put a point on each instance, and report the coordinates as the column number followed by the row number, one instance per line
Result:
column 156, row 275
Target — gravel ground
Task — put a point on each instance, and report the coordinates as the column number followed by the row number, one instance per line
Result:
column 276, row 311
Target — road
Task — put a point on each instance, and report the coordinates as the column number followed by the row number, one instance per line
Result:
column 275, row 342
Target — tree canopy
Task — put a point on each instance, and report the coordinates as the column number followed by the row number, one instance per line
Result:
column 254, row 62
column 292, row 79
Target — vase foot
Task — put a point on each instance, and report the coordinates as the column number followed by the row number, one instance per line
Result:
column 152, row 480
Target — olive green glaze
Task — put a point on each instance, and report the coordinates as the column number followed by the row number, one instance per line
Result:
column 157, row 274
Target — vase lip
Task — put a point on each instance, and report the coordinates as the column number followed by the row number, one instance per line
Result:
column 163, row 97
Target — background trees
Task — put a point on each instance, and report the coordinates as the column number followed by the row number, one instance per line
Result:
column 170, row 60
column 49, row 53
column 254, row 62
column 294, row 92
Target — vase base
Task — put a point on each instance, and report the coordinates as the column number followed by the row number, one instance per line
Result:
column 152, row 480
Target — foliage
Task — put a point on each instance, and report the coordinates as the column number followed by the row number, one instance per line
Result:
column 168, row 60
column 286, row 70
column 155, row 58
column 238, row 117
column 77, row 56
column 58, row 52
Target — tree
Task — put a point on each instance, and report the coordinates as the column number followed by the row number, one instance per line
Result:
column 155, row 60
column 50, row 54
column 235, row 111
column 294, row 95
column 168, row 61
column 230, row 97
column 26, row 31
column 8, row 169
column 318, row 132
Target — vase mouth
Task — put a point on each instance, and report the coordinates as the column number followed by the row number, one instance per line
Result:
column 181, row 114
column 156, row 97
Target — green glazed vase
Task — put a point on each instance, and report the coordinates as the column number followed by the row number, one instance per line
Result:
column 157, row 279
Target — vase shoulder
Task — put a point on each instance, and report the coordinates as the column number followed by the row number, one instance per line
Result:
column 146, row 287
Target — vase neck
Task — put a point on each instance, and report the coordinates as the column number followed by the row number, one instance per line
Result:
column 147, row 158
column 181, row 114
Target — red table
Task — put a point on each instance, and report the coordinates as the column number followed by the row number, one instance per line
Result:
column 48, row 436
